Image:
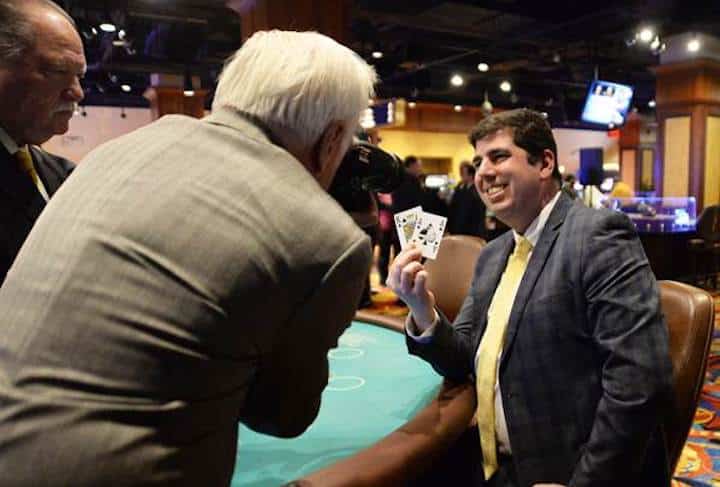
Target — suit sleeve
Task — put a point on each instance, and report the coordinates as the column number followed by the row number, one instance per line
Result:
column 623, row 308
column 285, row 396
column 449, row 351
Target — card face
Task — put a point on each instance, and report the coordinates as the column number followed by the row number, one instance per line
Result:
column 405, row 222
column 428, row 233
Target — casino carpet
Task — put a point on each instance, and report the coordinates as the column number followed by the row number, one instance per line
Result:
column 699, row 463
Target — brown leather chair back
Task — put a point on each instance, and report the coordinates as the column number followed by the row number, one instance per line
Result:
column 690, row 316
column 450, row 275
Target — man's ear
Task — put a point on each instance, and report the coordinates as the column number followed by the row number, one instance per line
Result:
column 547, row 164
column 327, row 153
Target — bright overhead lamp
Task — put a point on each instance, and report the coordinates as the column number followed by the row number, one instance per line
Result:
column 107, row 27
column 377, row 54
column 457, row 80
column 506, row 86
column 655, row 44
column 457, row 108
column 125, row 88
column 483, row 67
column 693, row 45
column 412, row 104
column 651, row 103
column 646, row 34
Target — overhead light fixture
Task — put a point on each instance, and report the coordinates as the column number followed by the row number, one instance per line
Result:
column 483, row 67
column 486, row 106
column 126, row 88
column 122, row 112
column 646, row 34
column 545, row 115
column 651, row 103
column 457, row 80
column 108, row 27
column 506, row 86
column 94, row 31
column 188, row 89
column 377, row 54
column 693, row 45
column 457, row 108
column 611, row 125
column 412, row 104
column 121, row 34
column 655, row 44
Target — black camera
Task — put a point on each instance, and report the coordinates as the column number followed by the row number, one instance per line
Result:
column 365, row 169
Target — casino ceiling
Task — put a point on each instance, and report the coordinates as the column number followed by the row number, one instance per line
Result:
column 548, row 51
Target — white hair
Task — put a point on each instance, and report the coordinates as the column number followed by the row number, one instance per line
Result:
column 296, row 81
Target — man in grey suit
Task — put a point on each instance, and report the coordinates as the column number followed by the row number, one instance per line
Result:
column 190, row 275
column 561, row 328
column 41, row 62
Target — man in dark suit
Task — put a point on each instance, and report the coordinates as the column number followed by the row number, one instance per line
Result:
column 41, row 61
column 467, row 211
column 562, row 327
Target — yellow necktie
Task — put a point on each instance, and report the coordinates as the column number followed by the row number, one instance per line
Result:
column 25, row 159
column 490, row 348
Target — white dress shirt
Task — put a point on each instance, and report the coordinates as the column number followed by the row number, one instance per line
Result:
column 533, row 235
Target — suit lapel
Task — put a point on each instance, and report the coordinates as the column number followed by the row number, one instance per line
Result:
column 49, row 169
column 539, row 257
column 19, row 188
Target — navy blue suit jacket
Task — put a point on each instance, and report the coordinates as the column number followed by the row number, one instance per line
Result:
column 585, row 367
column 20, row 200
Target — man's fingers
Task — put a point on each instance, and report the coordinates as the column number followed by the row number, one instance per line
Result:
column 402, row 259
column 408, row 276
column 420, row 286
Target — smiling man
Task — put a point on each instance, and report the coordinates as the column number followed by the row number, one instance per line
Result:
column 41, row 62
column 561, row 328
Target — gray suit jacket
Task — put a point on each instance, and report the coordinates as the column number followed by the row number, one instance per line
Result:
column 20, row 200
column 190, row 275
column 585, row 367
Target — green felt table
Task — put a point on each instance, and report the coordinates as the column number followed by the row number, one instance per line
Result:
column 374, row 388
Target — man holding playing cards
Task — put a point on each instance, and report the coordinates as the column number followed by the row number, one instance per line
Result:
column 561, row 330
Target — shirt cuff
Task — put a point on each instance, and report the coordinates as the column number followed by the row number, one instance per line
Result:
column 412, row 331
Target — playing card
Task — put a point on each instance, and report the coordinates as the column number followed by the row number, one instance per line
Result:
column 405, row 222
column 428, row 232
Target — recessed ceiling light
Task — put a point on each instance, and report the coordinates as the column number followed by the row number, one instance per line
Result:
column 646, row 34
column 457, row 108
column 106, row 27
column 125, row 88
column 693, row 45
column 651, row 103
column 412, row 104
column 189, row 93
column 483, row 67
column 377, row 54
column 655, row 44
column 506, row 86
column 457, row 80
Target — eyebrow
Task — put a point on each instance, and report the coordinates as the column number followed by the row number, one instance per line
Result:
column 494, row 153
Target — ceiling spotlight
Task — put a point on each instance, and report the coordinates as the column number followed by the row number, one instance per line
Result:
column 556, row 58
column 412, row 104
column 125, row 88
column 94, row 31
column 457, row 80
column 651, row 103
column 457, row 108
column 486, row 106
column 107, row 27
column 545, row 115
column 483, row 67
column 646, row 35
column 506, row 86
column 121, row 34
column 693, row 45
column 377, row 54
column 655, row 44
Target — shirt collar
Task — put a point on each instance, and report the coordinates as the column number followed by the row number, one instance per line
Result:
column 7, row 142
column 536, row 227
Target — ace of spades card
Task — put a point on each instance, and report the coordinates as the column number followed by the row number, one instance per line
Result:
column 428, row 233
column 405, row 223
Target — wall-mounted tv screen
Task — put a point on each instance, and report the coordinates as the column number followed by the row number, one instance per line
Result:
column 607, row 103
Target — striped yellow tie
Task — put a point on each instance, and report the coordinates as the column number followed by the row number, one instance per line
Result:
column 490, row 347
column 25, row 159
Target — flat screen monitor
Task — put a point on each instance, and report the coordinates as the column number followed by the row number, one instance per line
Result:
column 607, row 103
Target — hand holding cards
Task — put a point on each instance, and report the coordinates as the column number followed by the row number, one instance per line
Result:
column 414, row 226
